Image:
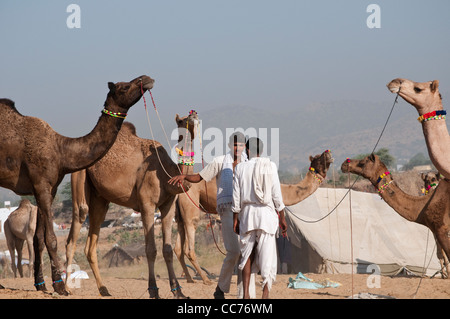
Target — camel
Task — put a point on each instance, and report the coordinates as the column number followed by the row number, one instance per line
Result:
column 431, row 210
column 134, row 173
column 20, row 226
column 188, row 214
column 34, row 159
column 431, row 180
column 425, row 97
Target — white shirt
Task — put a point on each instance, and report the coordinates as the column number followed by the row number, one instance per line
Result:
column 222, row 168
column 252, row 214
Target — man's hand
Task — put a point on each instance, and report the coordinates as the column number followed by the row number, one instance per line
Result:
column 236, row 223
column 177, row 179
column 283, row 224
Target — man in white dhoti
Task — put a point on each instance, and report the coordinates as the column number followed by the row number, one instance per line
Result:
column 223, row 167
column 256, row 200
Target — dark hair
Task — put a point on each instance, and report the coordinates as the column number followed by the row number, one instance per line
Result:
column 237, row 137
column 255, row 146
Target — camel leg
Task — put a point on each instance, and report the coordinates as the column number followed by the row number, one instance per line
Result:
column 78, row 219
column 80, row 209
column 167, row 214
column 180, row 248
column 11, row 243
column 446, row 272
column 442, row 260
column 38, row 247
column 47, row 235
column 98, row 208
column 19, row 248
column 444, row 243
column 191, row 226
column 30, row 254
column 147, row 215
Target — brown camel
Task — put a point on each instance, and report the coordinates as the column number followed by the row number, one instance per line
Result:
column 34, row 159
column 431, row 210
column 425, row 97
column 20, row 226
column 431, row 180
column 188, row 214
column 134, row 173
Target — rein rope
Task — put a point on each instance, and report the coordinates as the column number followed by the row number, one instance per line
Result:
column 199, row 206
column 357, row 178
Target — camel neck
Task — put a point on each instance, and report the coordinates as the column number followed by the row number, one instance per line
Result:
column 407, row 206
column 295, row 193
column 85, row 151
column 438, row 141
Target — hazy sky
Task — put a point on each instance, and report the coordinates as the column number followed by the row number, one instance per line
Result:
column 208, row 54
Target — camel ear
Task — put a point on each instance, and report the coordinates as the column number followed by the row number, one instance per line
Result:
column 434, row 85
column 438, row 176
column 112, row 87
column 422, row 175
column 311, row 158
column 372, row 157
column 177, row 118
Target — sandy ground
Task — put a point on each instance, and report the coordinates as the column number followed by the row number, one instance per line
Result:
column 351, row 285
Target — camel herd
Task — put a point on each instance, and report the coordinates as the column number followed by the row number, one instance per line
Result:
column 112, row 164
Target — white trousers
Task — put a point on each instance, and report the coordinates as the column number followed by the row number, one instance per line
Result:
column 232, row 247
column 265, row 256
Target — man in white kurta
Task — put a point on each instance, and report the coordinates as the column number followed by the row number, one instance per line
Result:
column 222, row 167
column 256, row 200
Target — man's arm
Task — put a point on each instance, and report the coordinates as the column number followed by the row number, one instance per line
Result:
column 194, row 178
column 236, row 204
column 276, row 189
column 283, row 224
column 207, row 174
column 278, row 200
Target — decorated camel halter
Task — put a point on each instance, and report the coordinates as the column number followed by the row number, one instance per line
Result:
column 435, row 115
column 115, row 114
column 383, row 187
column 431, row 186
column 316, row 175
column 186, row 158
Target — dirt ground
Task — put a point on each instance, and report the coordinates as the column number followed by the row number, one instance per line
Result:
column 130, row 282
column 356, row 286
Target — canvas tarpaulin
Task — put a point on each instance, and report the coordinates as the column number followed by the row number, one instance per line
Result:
column 383, row 241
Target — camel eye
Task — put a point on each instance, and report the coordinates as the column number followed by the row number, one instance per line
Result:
column 417, row 90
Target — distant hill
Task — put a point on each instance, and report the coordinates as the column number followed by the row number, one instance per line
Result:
column 347, row 128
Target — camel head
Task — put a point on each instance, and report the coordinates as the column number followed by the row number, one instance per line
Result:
column 187, row 124
column 431, row 180
column 370, row 167
column 321, row 163
column 425, row 97
column 126, row 94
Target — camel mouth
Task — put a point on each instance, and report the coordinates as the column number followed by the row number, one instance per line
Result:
column 148, row 85
column 395, row 85
column 146, row 82
column 393, row 89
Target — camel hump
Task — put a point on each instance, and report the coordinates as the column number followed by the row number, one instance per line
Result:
column 9, row 103
column 24, row 202
column 128, row 127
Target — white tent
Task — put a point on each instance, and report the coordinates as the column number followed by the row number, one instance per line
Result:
column 4, row 214
column 376, row 235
